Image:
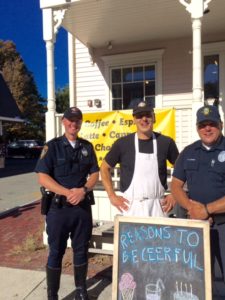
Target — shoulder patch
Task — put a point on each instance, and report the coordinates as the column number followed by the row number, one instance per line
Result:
column 44, row 151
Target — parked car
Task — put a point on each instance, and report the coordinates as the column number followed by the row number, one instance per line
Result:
column 25, row 148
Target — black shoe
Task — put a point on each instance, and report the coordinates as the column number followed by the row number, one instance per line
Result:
column 81, row 294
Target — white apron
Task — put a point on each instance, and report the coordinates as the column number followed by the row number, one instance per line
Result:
column 145, row 190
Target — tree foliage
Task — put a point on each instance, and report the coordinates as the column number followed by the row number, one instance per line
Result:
column 24, row 90
column 62, row 99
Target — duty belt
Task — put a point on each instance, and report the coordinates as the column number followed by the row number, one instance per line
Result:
column 60, row 201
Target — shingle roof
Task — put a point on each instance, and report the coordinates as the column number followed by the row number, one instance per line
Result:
column 8, row 106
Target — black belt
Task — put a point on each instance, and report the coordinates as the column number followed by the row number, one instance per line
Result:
column 60, row 201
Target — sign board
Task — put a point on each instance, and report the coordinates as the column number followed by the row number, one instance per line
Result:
column 102, row 129
column 161, row 259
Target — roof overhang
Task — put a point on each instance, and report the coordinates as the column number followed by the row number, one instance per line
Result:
column 97, row 22
column 11, row 119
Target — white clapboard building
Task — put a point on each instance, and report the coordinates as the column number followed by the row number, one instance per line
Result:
column 171, row 53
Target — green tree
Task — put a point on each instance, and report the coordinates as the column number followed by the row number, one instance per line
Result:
column 62, row 99
column 24, row 90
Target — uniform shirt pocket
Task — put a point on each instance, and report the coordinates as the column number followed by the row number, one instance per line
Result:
column 218, row 170
column 85, row 164
column 60, row 168
column 191, row 168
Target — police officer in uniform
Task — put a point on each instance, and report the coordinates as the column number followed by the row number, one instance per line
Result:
column 143, row 171
column 68, row 167
column 202, row 166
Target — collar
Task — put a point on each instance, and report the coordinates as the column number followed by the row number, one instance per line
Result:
column 220, row 145
column 66, row 143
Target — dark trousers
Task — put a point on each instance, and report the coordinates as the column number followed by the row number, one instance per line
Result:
column 74, row 222
column 217, row 237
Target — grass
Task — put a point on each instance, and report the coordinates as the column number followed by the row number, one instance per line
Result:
column 30, row 244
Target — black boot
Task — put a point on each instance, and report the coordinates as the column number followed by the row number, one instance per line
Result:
column 53, row 282
column 80, row 275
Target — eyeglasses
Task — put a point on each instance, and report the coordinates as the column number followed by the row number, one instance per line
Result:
column 144, row 114
column 210, row 124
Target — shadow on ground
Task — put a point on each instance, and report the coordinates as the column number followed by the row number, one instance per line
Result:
column 17, row 166
column 97, row 283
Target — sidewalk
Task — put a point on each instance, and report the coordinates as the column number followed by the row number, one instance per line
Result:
column 31, row 285
column 18, row 191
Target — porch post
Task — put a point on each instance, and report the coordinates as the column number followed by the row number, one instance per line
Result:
column 71, row 66
column 49, row 38
column 196, row 8
column 1, row 128
column 52, row 20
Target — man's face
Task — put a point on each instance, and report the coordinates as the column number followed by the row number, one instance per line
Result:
column 209, row 132
column 144, row 122
column 72, row 127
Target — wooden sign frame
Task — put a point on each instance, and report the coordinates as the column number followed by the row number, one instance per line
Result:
column 124, row 229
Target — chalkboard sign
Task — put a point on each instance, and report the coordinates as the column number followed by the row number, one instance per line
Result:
column 161, row 259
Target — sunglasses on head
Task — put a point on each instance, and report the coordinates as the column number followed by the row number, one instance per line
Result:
column 143, row 114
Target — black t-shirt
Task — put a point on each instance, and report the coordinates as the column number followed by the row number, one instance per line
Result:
column 123, row 153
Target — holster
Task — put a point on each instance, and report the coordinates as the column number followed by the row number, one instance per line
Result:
column 46, row 200
column 89, row 198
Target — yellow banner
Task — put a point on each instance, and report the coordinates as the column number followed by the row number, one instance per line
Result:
column 104, row 128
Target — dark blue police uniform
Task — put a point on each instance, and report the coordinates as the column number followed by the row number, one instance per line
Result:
column 204, row 172
column 69, row 167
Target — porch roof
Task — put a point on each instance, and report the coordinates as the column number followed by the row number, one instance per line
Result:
column 98, row 22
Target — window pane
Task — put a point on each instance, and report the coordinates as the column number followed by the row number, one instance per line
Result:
column 138, row 74
column 116, row 91
column 149, row 88
column 133, row 93
column 117, row 104
column 150, row 101
column 127, row 74
column 211, row 76
column 150, row 73
column 116, row 75
column 131, row 85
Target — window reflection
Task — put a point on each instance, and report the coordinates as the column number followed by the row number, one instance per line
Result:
column 211, row 77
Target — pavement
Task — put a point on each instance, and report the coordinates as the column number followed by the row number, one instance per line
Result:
column 25, row 284
column 18, row 187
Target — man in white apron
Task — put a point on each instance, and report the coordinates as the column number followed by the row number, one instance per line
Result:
column 143, row 172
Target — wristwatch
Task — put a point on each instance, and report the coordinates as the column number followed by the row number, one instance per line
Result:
column 85, row 189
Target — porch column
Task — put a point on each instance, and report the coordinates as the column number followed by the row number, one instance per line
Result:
column 52, row 20
column 196, row 8
column 71, row 66
column 50, row 114
column 49, row 38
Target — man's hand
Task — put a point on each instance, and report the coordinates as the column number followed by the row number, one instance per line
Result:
column 75, row 195
column 167, row 203
column 119, row 202
column 197, row 211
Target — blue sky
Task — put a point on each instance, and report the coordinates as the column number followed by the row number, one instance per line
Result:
column 21, row 22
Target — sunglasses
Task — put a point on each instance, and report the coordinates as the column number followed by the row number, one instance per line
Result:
column 144, row 114
column 210, row 124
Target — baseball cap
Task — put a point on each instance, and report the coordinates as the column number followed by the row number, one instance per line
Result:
column 208, row 113
column 142, row 107
column 73, row 113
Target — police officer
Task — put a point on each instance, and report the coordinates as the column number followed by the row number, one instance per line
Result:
column 68, row 167
column 202, row 166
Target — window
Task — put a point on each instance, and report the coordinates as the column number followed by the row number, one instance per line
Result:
column 132, row 84
column 211, row 77
column 131, row 77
